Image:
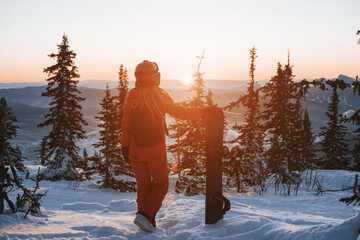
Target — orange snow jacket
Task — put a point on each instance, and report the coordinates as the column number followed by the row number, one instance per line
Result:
column 175, row 110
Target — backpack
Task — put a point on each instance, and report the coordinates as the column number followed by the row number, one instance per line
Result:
column 147, row 129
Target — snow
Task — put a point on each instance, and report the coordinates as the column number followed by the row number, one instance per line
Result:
column 348, row 114
column 346, row 79
column 231, row 135
column 89, row 212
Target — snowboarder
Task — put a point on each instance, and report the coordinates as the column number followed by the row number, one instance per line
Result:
column 143, row 139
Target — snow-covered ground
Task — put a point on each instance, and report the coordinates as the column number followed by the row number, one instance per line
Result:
column 92, row 213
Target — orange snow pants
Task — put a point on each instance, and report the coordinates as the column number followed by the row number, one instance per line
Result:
column 150, row 167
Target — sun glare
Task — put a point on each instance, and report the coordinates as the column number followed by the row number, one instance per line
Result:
column 187, row 80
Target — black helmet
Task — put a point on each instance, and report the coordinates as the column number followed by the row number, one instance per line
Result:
column 147, row 74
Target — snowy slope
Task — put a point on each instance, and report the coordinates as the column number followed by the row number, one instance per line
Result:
column 91, row 213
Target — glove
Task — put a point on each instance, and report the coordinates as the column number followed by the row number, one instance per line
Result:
column 125, row 153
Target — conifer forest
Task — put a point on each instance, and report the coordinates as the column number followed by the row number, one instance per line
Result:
column 289, row 154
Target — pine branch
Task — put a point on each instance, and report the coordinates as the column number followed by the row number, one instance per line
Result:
column 320, row 191
column 348, row 200
column 35, row 198
column 236, row 103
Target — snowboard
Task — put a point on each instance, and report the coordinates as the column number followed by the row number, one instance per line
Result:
column 216, row 204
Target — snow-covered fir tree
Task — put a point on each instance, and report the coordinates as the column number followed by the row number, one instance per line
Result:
column 11, row 164
column 334, row 146
column 190, row 144
column 245, row 162
column 59, row 152
column 110, row 164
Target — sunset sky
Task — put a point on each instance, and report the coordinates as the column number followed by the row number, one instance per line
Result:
column 321, row 36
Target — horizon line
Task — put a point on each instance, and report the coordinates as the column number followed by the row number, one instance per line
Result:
column 205, row 79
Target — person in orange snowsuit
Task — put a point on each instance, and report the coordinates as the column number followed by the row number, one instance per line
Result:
column 149, row 163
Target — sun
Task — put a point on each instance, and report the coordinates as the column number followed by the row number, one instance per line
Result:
column 187, row 80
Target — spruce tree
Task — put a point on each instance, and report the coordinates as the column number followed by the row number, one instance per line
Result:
column 119, row 101
column 110, row 164
column 305, row 142
column 43, row 150
column 279, row 116
column 295, row 116
column 11, row 162
column 246, row 162
column 10, row 157
column 276, row 124
column 308, row 151
column 123, row 88
column 107, row 144
column 296, row 162
column 85, row 165
column 334, row 145
column 191, row 142
column 59, row 151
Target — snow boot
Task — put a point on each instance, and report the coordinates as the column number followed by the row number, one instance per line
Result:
column 142, row 222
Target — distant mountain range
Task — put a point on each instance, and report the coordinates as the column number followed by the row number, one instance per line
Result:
column 100, row 84
column 167, row 84
column 30, row 107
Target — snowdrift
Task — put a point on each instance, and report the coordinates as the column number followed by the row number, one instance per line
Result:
column 92, row 213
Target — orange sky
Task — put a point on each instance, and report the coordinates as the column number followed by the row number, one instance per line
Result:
column 320, row 35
